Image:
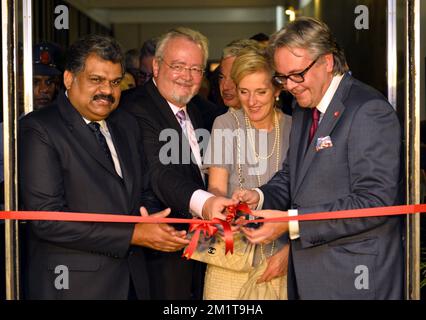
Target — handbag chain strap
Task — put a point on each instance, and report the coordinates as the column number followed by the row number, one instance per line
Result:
column 240, row 171
column 241, row 179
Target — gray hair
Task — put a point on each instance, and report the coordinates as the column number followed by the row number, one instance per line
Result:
column 313, row 35
column 233, row 48
column 105, row 47
column 186, row 33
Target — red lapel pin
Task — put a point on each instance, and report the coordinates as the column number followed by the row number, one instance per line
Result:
column 336, row 114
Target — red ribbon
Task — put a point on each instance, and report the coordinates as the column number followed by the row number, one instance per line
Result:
column 96, row 217
column 233, row 211
column 207, row 227
column 228, row 236
column 210, row 230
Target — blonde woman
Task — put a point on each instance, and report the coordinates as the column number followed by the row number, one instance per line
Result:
column 258, row 136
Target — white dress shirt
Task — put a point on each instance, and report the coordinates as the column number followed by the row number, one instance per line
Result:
column 104, row 130
column 199, row 197
column 107, row 135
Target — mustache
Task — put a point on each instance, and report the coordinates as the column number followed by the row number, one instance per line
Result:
column 42, row 96
column 185, row 82
column 107, row 97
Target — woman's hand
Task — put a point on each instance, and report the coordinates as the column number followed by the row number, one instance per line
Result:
column 277, row 265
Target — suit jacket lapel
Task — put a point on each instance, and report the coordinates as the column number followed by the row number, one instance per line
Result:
column 82, row 133
column 190, row 108
column 172, row 122
column 123, row 152
column 325, row 128
column 300, row 123
column 167, row 113
column 163, row 107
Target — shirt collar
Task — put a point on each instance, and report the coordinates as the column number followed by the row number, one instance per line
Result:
column 102, row 123
column 329, row 94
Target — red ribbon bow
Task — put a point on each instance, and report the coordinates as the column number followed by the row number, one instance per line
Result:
column 209, row 229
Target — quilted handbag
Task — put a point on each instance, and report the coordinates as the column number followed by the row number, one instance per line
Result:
column 214, row 253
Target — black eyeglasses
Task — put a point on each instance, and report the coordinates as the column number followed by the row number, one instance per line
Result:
column 295, row 77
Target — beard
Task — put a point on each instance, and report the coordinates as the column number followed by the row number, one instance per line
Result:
column 183, row 99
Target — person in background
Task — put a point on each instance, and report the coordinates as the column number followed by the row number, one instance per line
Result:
column 128, row 82
column 46, row 75
column 132, row 64
column 146, row 56
column 262, row 38
column 227, row 87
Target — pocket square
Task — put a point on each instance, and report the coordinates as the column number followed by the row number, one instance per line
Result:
column 323, row 143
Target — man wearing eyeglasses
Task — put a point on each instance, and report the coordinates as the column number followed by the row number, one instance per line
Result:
column 169, row 121
column 344, row 154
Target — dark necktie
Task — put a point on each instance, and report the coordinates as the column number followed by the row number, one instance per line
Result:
column 95, row 127
column 314, row 125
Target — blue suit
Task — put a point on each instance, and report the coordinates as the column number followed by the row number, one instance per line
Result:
column 360, row 170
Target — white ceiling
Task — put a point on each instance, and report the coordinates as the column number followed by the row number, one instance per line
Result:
column 110, row 12
column 134, row 4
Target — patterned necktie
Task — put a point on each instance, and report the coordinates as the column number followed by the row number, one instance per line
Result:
column 181, row 116
column 189, row 132
column 95, row 127
column 314, row 125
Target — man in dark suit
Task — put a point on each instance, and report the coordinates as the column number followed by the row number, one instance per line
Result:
column 350, row 160
column 170, row 123
column 82, row 154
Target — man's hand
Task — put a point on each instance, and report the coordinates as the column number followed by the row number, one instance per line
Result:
column 251, row 197
column 277, row 265
column 158, row 236
column 270, row 230
column 215, row 206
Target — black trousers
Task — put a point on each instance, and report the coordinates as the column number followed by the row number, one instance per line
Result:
column 172, row 277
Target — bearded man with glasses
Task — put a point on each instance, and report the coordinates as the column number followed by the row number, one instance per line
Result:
column 163, row 106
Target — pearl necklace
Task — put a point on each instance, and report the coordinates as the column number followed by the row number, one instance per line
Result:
column 276, row 144
column 249, row 130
